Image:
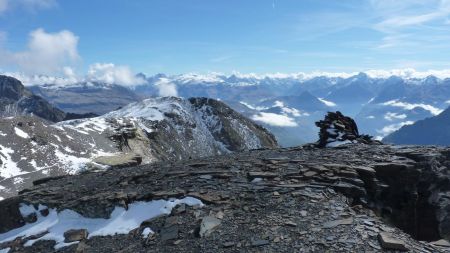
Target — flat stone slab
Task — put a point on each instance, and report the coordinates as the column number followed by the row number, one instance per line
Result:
column 121, row 160
column 442, row 243
column 208, row 225
column 388, row 242
column 335, row 223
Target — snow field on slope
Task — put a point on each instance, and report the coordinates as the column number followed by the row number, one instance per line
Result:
column 121, row 221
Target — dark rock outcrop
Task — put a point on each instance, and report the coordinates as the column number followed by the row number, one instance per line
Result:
column 357, row 198
column 337, row 129
column 229, row 118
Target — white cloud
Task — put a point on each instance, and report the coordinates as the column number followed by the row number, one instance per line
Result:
column 112, row 74
column 278, row 104
column 274, row 119
column 407, row 106
column 46, row 53
column 408, row 73
column 327, row 103
column 30, row 5
column 166, row 88
column 28, row 80
column 399, row 14
column 410, row 24
column 390, row 116
column 68, row 72
column 394, row 127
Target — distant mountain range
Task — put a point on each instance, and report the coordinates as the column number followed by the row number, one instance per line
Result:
column 287, row 105
column 87, row 97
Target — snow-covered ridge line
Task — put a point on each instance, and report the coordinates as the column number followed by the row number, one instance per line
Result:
column 217, row 78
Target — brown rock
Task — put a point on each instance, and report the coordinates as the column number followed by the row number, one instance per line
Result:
column 74, row 235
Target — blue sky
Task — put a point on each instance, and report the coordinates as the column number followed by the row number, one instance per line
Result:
column 259, row 36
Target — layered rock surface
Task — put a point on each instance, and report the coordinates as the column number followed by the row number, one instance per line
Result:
column 353, row 198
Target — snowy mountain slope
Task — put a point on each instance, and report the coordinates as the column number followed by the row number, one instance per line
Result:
column 143, row 132
column 182, row 128
column 31, row 148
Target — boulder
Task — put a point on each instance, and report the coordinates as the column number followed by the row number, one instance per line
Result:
column 208, row 225
column 119, row 161
column 388, row 242
column 74, row 235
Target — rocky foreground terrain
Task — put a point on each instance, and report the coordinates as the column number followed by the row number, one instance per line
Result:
column 350, row 198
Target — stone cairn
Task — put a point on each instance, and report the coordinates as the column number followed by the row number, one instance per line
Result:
column 337, row 129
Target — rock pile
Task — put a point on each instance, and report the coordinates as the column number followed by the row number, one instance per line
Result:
column 303, row 199
column 337, row 129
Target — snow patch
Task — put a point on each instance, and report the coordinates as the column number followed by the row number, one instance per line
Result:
column 338, row 143
column 147, row 232
column 121, row 221
column 8, row 168
column 19, row 132
column 73, row 163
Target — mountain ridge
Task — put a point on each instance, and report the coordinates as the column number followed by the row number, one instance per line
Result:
column 429, row 131
column 159, row 129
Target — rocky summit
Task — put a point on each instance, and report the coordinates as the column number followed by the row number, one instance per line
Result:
column 351, row 198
